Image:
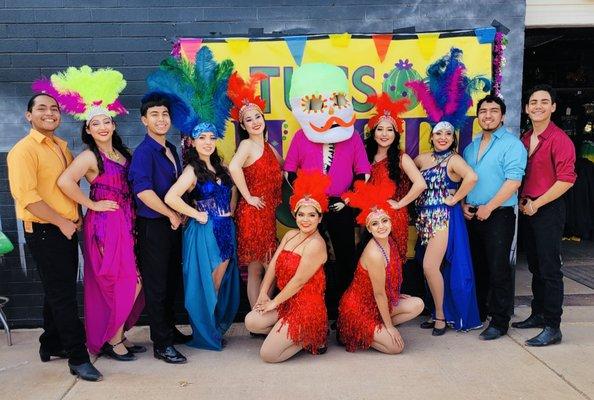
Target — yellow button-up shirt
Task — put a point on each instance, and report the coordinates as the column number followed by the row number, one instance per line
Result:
column 34, row 165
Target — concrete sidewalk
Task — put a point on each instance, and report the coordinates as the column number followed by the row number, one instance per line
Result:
column 455, row 366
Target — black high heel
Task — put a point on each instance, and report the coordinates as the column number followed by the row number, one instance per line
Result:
column 108, row 350
column 427, row 324
column 439, row 331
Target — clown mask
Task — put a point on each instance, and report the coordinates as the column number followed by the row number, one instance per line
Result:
column 321, row 103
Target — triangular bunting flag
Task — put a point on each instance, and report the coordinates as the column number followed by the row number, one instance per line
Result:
column 296, row 46
column 238, row 45
column 189, row 48
column 340, row 39
column 382, row 44
column 427, row 43
column 485, row 35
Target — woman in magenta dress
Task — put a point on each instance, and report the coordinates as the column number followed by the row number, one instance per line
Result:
column 372, row 304
column 112, row 288
column 296, row 319
column 256, row 171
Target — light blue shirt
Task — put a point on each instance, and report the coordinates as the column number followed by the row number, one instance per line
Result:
column 504, row 158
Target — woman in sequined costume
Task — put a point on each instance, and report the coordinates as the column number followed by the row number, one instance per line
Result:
column 113, row 299
column 389, row 163
column 256, row 171
column 442, row 233
column 296, row 319
column 211, row 276
column 372, row 304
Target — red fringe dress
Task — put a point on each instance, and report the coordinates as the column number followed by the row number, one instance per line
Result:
column 256, row 229
column 305, row 312
column 380, row 173
column 358, row 314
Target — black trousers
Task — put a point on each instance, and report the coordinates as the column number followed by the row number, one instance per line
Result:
column 542, row 241
column 490, row 244
column 339, row 274
column 159, row 261
column 57, row 263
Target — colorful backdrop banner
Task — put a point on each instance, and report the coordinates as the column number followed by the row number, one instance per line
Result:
column 372, row 62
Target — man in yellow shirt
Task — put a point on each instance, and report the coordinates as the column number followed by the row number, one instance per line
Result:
column 51, row 220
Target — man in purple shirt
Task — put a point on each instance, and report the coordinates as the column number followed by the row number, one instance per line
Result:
column 550, row 173
column 328, row 142
column 154, row 169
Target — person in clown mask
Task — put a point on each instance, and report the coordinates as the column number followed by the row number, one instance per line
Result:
column 373, row 304
column 328, row 142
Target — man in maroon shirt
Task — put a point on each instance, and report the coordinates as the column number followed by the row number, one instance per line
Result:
column 550, row 172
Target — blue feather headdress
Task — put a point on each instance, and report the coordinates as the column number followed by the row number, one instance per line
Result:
column 446, row 92
column 197, row 92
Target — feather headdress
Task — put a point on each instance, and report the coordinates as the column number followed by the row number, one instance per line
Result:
column 243, row 95
column 388, row 109
column 371, row 199
column 310, row 189
column 446, row 93
column 85, row 93
column 197, row 92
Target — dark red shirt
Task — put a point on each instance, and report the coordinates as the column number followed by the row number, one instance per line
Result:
column 553, row 160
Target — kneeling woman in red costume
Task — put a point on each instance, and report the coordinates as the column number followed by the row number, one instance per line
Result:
column 296, row 319
column 372, row 304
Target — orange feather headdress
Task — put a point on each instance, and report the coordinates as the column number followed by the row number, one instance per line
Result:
column 310, row 189
column 243, row 94
column 387, row 109
column 371, row 199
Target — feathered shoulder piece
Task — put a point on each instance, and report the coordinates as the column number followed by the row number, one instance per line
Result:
column 197, row 92
column 310, row 189
column 85, row 93
column 371, row 199
column 243, row 94
column 388, row 109
column 445, row 94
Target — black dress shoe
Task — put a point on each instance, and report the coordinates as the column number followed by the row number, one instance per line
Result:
column 258, row 335
column 180, row 338
column 547, row 337
column 491, row 333
column 533, row 321
column 108, row 350
column 136, row 349
column 45, row 355
column 170, row 355
column 86, row 371
column 429, row 324
column 439, row 331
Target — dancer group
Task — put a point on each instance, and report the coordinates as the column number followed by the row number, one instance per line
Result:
column 157, row 224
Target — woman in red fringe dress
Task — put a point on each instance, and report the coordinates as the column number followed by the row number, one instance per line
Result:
column 296, row 319
column 372, row 304
column 256, row 171
column 389, row 163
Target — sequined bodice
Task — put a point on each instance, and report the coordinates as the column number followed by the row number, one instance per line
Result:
column 212, row 197
column 438, row 185
column 112, row 183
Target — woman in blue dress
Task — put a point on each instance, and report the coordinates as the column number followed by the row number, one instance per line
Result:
column 211, row 275
column 444, row 249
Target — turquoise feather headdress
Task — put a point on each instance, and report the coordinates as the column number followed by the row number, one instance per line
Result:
column 197, row 92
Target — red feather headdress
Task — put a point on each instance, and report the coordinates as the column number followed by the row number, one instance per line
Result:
column 371, row 199
column 388, row 109
column 243, row 94
column 310, row 189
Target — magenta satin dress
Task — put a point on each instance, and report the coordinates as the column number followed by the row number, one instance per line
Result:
column 110, row 264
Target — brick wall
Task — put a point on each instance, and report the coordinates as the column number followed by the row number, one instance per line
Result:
column 42, row 37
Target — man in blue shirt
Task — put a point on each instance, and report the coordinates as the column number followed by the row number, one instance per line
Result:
column 499, row 159
column 155, row 167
